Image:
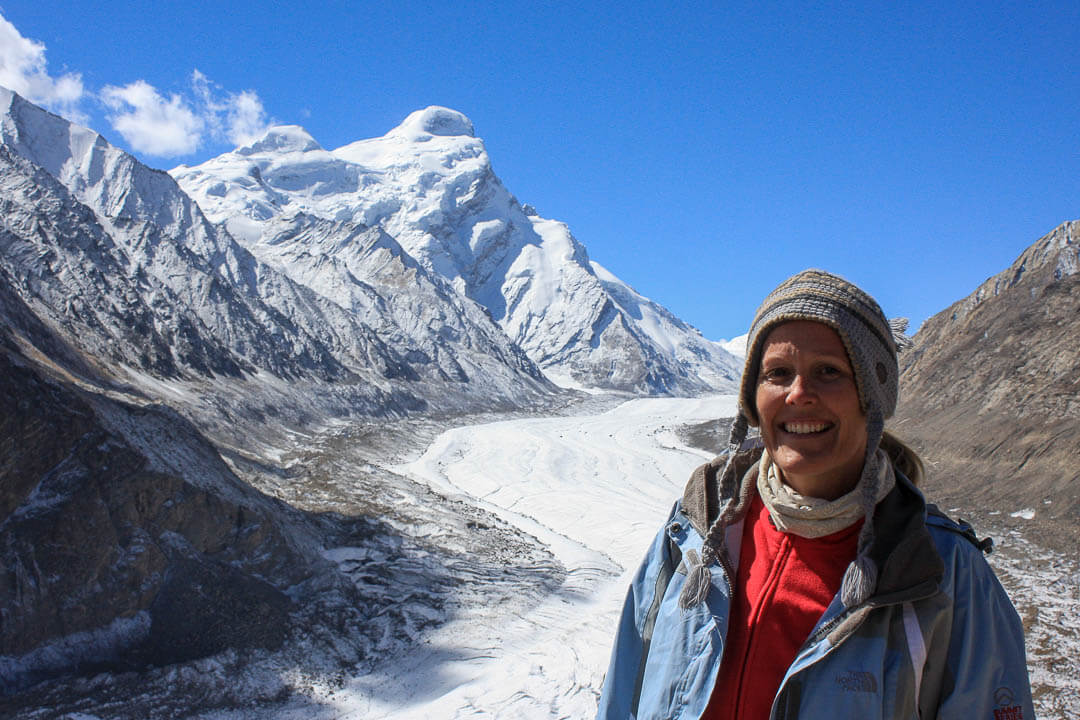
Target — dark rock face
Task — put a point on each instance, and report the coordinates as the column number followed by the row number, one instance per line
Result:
column 991, row 391
column 115, row 555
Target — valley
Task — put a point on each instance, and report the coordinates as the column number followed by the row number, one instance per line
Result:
column 515, row 538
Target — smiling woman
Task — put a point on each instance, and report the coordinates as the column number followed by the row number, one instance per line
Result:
column 805, row 575
column 808, row 408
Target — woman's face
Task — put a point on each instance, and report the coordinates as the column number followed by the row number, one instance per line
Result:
column 808, row 406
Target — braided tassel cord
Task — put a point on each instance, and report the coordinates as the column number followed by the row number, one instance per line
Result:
column 698, row 581
column 698, row 575
column 860, row 578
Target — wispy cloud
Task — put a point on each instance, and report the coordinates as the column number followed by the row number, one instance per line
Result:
column 150, row 121
column 234, row 117
column 23, row 69
column 178, row 125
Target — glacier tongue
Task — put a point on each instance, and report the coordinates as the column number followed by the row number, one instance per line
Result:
column 429, row 184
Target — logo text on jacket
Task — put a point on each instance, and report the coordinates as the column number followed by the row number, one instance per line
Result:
column 1005, row 698
column 858, row 681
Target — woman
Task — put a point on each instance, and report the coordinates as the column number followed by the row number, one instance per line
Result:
column 808, row 578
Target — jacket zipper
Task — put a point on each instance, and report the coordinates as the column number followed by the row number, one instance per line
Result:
column 821, row 632
column 831, row 625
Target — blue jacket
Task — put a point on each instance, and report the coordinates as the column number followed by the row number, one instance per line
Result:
column 938, row 638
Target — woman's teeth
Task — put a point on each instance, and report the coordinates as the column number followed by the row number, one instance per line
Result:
column 804, row 428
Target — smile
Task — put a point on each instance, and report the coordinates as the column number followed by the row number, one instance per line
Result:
column 805, row 428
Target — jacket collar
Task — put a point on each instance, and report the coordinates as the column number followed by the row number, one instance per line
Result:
column 907, row 559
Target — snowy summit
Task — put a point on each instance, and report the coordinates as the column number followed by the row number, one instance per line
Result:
column 429, row 184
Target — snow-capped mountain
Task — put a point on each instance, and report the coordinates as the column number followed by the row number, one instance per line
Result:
column 429, row 184
column 118, row 260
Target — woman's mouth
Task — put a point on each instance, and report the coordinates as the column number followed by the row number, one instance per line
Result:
column 805, row 428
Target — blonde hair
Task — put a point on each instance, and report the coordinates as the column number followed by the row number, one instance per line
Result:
column 903, row 457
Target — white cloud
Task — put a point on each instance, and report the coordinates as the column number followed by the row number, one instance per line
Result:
column 247, row 119
column 152, row 124
column 148, row 121
column 23, row 69
column 167, row 127
column 238, row 118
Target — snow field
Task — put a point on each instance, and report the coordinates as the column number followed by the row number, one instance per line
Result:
column 594, row 490
column 1045, row 588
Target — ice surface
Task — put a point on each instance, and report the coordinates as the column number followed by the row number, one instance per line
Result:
column 594, row 489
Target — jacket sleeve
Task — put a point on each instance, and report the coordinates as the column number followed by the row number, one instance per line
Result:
column 622, row 684
column 986, row 664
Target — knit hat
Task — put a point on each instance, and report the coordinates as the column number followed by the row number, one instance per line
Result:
column 872, row 343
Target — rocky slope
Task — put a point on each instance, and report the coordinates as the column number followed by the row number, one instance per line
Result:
column 430, row 185
column 141, row 577
column 126, row 539
column 990, row 394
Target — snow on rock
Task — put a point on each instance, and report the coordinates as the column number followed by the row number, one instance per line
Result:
column 736, row 345
column 429, row 184
column 128, row 265
column 283, row 138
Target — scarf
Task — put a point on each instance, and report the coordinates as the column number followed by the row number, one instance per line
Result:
column 812, row 517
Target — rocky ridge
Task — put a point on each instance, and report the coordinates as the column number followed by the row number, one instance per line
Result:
column 142, row 577
column 118, row 260
column 127, row 541
column 990, row 394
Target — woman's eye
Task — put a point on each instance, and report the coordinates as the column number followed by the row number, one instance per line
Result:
column 776, row 374
column 829, row 372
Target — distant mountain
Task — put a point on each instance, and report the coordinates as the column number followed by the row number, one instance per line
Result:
column 429, row 184
column 991, row 391
column 119, row 262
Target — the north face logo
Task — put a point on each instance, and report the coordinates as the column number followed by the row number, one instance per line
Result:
column 858, row 681
column 1005, row 710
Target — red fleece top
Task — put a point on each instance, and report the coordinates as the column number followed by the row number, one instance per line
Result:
column 782, row 588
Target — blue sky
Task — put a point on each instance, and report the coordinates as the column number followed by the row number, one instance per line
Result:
column 701, row 152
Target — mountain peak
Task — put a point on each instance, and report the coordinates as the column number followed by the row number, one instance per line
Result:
column 434, row 120
column 282, row 138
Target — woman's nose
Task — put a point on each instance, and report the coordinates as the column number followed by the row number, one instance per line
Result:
column 800, row 391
